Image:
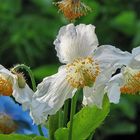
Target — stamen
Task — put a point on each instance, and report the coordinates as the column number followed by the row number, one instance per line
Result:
column 73, row 9
column 82, row 72
column 5, row 86
column 132, row 81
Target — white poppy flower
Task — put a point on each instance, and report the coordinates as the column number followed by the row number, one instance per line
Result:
column 14, row 84
column 87, row 66
column 128, row 80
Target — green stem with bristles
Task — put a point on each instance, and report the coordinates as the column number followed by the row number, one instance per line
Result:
column 22, row 66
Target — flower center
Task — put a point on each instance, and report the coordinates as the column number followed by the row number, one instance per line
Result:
column 7, row 125
column 82, row 72
column 131, row 80
column 72, row 9
column 5, row 86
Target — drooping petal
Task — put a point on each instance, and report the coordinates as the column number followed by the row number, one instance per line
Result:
column 50, row 96
column 109, row 56
column 95, row 94
column 75, row 41
column 22, row 95
column 113, row 88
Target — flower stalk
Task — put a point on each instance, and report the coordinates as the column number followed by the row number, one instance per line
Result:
column 22, row 66
column 66, row 109
column 60, row 123
column 73, row 110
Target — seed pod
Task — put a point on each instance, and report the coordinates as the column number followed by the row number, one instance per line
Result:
column 21, row 80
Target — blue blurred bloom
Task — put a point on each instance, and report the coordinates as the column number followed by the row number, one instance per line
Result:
column 13, row 118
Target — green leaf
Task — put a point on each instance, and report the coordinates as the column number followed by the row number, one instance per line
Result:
column 85, row 122
column 39, row 138
column 62, row 134
column 20, row 137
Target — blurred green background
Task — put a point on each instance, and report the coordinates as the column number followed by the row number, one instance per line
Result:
column 29, row 27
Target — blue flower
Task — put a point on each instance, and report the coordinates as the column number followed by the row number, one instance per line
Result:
column 14, row 120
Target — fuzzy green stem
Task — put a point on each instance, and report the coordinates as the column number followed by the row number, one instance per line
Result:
column 66, row 110
column 22, row 66
column 40, row 130
column 60, row 122
column 73, row 110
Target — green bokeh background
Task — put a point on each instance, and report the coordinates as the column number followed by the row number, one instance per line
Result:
column 29, row 27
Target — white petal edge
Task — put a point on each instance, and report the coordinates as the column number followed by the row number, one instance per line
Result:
column 22, row 95
column 135, row 61
column 50, row 96
column 113, row 88
column 136, row 51
column 75, row 41
column 110, row 56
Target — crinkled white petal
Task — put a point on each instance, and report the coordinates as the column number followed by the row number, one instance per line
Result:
column 22, row 95
column 136, row 51
column 94, row 95
column 135, row 61
column 50, row 96
column 75, row 41
column 110, row 56
column 5, row 72
column 113, row 88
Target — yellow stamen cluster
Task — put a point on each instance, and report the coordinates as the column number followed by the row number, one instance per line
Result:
column 132, row 81
column 5, row 86
column 82, row 72
column 7, row 125
column 73, row 9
